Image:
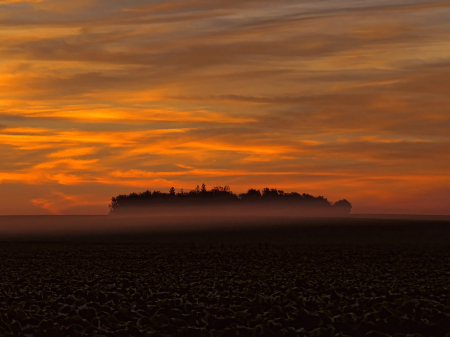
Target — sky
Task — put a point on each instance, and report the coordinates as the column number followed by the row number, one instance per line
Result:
column 345, row 99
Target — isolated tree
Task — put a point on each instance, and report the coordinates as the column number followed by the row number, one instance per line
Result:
column 172, row 191
column 343, row 205
column 203, row 188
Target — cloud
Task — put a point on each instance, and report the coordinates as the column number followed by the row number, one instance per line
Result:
column 23, row 177
column 59, row 202
column 329, row 97
column 73, row 164
column 2, row 2
column 75, row 152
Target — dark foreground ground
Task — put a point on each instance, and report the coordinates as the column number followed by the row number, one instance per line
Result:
column 334, row 277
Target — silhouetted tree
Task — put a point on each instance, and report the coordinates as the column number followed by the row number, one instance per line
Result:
column 252, row 194
column 343, row 205
column 270, row 193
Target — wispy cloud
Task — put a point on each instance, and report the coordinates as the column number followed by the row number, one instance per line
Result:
column 2, row 2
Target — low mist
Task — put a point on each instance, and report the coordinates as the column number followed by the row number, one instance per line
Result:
column 229, row 225
column 137, row 219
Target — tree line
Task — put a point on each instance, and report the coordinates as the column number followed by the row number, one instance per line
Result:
column 222, row 195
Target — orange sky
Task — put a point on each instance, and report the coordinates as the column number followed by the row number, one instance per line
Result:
column 346, row 99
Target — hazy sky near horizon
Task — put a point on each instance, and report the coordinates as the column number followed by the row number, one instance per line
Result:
column 346, row 99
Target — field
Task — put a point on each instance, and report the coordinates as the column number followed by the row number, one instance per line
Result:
column 329, row 277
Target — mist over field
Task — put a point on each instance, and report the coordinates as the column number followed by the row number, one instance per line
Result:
column 207, row 228
column 134, row 221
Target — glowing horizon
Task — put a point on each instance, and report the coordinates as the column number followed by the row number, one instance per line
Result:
column 341, row 99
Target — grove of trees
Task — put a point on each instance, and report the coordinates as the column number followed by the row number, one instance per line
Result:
column 223, row 196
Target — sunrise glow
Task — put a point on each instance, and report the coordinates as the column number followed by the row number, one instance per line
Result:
column 337, row 98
